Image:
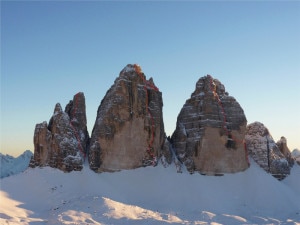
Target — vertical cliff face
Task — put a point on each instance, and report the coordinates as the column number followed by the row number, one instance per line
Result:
column 63, row 142
column 273, row 158
column 76, row 110
column 210, row 130
column 129, row 130
column 282, row 145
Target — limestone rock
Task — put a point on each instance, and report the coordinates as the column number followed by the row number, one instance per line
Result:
column 266, row 153
column 296, row 155
column 168, row 156
column 282, row 145
column 76, row 110
column 166, row 153
column 62, row 144
column 129, row 130
column 210, row 131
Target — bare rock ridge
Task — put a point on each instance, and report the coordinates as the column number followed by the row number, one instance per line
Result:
column 63, row 142
column 211, row 136
column 274, row 158
column 129, row 129
column 210, row 131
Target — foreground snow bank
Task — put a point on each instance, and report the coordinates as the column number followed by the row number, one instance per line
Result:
column 149, row 196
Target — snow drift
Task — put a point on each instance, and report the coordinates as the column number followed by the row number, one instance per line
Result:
column 151, row 195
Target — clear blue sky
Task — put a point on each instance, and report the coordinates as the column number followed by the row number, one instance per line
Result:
column 52, row 50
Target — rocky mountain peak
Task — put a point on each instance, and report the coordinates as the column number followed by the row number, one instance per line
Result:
column 210, row 130
column 63, row 143
column 57, row 108
column 128, row 131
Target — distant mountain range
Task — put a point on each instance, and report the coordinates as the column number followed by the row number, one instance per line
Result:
column 11, row 165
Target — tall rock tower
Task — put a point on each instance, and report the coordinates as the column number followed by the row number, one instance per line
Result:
column 210, row 131
column 129, row 130
column 63, row 142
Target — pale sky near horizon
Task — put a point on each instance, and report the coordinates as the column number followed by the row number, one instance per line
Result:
column 52, row 50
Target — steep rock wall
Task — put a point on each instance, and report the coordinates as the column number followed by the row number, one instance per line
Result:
column 129, row 130
column 210, row 130
column 63, row 142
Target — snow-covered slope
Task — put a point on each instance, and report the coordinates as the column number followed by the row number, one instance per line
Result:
column 151, row 195
column 10, row 165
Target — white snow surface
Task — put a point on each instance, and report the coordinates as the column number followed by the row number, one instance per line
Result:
column 10, row 165
column 151, row 195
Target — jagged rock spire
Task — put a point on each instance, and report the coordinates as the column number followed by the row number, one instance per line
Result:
column 63, row 143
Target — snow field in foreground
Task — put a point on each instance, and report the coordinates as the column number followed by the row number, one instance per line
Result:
column 151, row 195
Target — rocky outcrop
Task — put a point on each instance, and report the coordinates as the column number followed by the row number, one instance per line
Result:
column 76, row 110
column 166, row 153
column 266, row 153
column 168, row 156
column 129, row 130
column 210, row 131
column 282, row 145
column 296, row 155
column 63, row 142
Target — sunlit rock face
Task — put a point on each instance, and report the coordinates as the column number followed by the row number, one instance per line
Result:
column 274, row 158
column 129, row 130
column 210, row 130
column 63, row 142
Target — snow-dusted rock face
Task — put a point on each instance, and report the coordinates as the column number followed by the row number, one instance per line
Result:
column 166, row 153
column 63, row 143
column 266, row 153
column 129, row 130
column 296, row 155
column 76, row 110
column 10, row 165
column 282, row 145
column 210, row 130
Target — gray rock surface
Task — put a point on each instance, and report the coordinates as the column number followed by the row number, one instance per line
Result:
column 210, row 131
column 266, row 153
column 129, row 130
column 63, row 142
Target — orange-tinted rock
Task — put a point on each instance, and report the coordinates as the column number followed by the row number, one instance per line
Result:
column 129, row 130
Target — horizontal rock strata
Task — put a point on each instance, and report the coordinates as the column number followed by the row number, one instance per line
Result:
column 210, row 131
